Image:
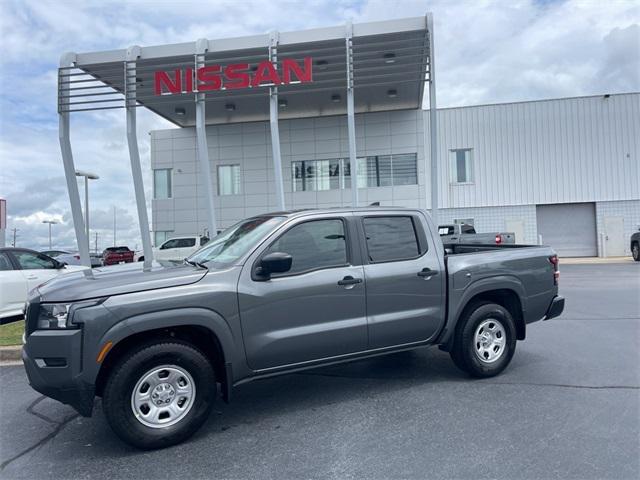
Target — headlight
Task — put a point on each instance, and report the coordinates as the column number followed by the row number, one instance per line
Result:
column 53, row 316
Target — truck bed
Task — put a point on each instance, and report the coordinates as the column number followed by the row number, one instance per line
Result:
column 458, row 248
column 524, row 269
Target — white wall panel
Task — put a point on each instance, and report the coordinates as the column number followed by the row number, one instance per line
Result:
column 552, row 151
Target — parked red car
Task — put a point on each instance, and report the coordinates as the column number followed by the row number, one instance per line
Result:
column 115, row 255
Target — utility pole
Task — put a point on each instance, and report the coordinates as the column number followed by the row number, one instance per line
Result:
column 96, row 243
column 114, row 225
column 15, row 231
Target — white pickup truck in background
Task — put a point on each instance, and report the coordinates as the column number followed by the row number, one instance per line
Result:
column 465, row 233
column 176, row 249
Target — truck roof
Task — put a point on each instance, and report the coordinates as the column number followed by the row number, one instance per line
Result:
column 307, row 211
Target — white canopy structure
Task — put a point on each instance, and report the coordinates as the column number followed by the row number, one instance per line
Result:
column 339, row 70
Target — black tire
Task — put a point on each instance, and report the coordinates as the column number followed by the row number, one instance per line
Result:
column 635, row 252
column 465, row 346
column 117, row 397
column 141, row 259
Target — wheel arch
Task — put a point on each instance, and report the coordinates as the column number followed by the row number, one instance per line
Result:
column 203, row 329
column 507, row 292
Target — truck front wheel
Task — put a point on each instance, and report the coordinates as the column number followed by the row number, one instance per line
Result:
column 159, row 394
column 485, row 340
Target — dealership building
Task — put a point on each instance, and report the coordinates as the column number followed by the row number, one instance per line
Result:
column 566, row 170
column 281, row 121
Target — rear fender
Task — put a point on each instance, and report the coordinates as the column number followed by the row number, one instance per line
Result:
column 460, row 299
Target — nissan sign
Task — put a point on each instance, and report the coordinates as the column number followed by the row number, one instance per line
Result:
column 234, row 76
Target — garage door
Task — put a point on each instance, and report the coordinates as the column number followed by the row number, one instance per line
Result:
column 569, row 228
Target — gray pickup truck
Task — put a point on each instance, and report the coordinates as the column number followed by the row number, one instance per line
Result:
column 464, row 233
column 274, row 294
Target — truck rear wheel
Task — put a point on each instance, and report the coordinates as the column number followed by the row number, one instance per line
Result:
column 159, row 394
column 635, row 252
column 485, row 340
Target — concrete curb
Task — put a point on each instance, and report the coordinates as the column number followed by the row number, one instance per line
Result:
column 11, row 354
column 594, row 260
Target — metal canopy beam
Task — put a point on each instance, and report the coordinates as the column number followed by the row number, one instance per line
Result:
column 201, row 139
column 433, row 123
column 67, row 60
column 275, row 131
column 351, row 123
column 133, row 53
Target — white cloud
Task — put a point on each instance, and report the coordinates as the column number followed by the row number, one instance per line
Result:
column 486, row 52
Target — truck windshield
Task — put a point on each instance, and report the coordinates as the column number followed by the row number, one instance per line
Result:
column 234, row 242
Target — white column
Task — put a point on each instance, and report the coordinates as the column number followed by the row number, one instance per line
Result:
column 351, row 123
column 202, row 46
column 132, row 139
column 433, row 122
column 68, row 60
column 275, row 131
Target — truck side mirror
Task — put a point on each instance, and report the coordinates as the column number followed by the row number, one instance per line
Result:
column 275, row 262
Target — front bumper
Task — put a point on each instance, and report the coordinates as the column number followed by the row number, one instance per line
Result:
column 53, row 361
column 556, row 307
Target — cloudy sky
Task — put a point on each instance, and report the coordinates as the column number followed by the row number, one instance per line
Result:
column 486, row 52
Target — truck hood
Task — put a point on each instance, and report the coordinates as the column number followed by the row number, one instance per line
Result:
column 116, row 280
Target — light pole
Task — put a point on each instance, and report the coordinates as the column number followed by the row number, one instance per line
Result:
column 50, row 222
column 87, row 176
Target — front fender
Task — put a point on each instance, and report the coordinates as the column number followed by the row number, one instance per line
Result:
column 178, row 317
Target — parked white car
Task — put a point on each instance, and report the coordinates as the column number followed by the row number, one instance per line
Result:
column 68, row 258
column 20, row 271
column 176, row 249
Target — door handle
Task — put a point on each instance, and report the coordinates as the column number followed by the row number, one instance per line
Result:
column 427, row 272
column 453, row 238
column 349, row 280
column 32, row 277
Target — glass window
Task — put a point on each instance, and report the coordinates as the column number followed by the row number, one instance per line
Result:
column 185, row 242
column 384, row 171
column 461, row 168
column 173, row 243
column 405, row 169
column 161, row 236
column 5, row 263
column 468, row 229
column 446, row 230
column 228, row 179
column 391, row 238
column 162, row 183
column 363, row 169
column 34, row 261
column 373, row 171
column 313, row 175
column 313, row 245
column 235, row 241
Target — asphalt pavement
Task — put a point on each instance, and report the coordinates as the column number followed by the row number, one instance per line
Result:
column 568, row 406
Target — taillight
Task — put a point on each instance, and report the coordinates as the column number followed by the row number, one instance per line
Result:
column 553, row 260
column 498, row 239
column 77, row 257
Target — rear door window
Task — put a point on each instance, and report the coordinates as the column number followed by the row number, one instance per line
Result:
column 186, row 243
column 391, row 239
